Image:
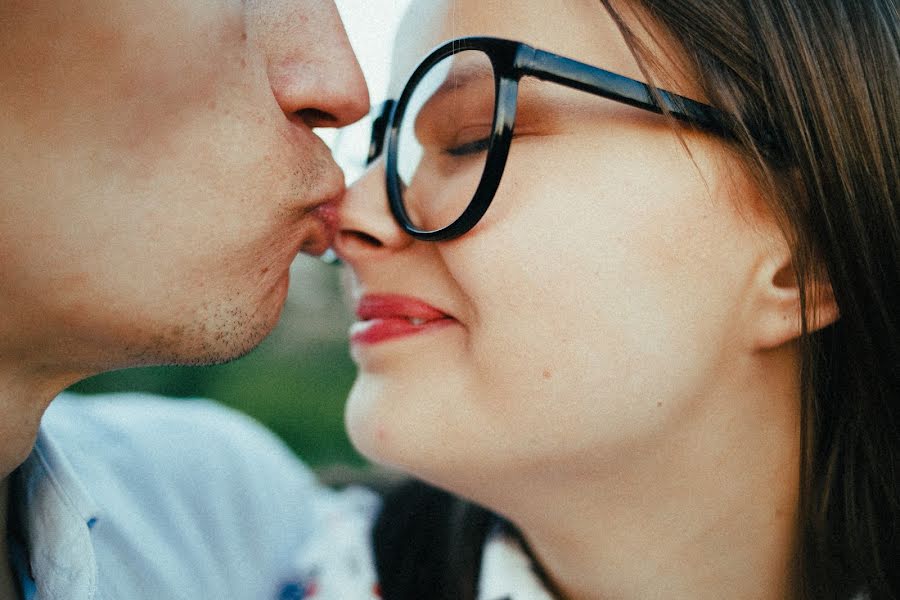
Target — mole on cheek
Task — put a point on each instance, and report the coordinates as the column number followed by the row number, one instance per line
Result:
column 381, row 434
column 548, row 374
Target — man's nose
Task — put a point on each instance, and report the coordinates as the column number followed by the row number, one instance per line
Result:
column 311, row 66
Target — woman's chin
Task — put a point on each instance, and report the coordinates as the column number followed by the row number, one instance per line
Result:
column 365, row 423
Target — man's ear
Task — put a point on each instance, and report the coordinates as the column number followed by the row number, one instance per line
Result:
column 778, row 302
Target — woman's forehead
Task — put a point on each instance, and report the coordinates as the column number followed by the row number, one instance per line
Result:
column 581, row 29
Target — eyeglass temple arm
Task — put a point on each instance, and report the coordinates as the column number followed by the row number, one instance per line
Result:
column 572, row 73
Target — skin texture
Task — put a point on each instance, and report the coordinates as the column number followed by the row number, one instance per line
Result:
column 622, row 380
column 159, row 175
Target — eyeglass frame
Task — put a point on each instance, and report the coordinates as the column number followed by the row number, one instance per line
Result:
column 511, row 61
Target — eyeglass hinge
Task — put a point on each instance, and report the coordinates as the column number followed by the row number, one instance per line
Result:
column 525, row 59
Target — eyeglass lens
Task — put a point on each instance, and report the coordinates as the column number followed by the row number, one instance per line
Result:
column 443, row 137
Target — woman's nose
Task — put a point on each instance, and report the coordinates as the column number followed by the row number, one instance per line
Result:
column 366, row 226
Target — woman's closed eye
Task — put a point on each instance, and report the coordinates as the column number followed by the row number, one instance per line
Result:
column 469, row 148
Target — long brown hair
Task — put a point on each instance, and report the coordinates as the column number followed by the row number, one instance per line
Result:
column 823, row 78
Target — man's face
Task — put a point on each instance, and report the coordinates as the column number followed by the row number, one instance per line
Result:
column 159, row 172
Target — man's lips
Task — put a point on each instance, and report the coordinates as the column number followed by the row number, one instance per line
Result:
column 324, row 225
column 387, row 316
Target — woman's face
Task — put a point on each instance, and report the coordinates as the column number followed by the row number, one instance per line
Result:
column 597, row 310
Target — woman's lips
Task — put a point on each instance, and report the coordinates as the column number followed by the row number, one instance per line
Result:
column 385, row 317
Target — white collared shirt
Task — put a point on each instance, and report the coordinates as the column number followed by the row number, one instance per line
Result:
column 129, row 497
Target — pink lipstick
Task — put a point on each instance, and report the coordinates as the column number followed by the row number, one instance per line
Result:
column 384, row 317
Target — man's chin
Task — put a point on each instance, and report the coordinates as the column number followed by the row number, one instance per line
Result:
column 211, row 356
column 211, row 343
column 227, row 334
column 227, row 346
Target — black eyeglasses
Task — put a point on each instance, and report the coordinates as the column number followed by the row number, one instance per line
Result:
column 449, row 133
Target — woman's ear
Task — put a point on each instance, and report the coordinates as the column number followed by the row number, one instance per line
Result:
column 778, row 305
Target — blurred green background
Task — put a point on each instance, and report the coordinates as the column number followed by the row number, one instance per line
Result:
column 295, row 382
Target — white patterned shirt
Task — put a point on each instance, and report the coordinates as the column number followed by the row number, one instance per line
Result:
column 338, row 564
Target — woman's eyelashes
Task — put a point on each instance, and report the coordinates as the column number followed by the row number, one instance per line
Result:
column 469, row 148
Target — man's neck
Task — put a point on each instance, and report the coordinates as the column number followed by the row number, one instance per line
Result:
column 26, row 391
column 21, row 405
column 24, row 396
column 23, row 400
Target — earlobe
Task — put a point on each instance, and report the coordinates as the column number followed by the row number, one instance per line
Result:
column 780, row 307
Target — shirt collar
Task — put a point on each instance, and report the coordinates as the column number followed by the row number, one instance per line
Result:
column 55, row 515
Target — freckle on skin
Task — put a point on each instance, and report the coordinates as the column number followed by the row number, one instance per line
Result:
column 659, row 405
column 547, row 374
column 264, row 271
